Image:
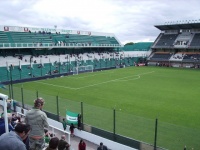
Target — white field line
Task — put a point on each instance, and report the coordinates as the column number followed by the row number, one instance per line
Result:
column 119, row 79
column 137, row 77
column 91, row 75
column 56, row 85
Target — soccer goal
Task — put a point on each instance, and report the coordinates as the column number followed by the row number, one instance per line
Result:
column 82, row 69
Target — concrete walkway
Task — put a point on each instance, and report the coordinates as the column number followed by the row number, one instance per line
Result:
column 74, row 141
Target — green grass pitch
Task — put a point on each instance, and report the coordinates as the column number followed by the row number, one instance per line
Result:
column 138, row 94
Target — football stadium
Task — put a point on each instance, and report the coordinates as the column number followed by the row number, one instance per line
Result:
column 139, row 96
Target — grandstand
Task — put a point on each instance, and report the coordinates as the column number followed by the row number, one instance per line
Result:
column 177, row 46
column 29, row 54
column 41, row 38
column 37, row 52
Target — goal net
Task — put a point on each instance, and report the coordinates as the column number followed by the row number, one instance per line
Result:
column 82, row 69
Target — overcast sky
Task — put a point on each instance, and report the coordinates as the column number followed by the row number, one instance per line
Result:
column 129, row 20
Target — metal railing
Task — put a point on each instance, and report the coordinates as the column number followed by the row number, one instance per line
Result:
column 55, row 45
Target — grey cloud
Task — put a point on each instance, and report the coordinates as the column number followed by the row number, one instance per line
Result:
column 134, row 20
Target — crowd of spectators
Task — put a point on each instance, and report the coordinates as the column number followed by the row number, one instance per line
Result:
column 31, row 132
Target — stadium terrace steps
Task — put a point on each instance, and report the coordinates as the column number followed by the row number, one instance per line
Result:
column 161, row 56
column 29, row 37
column 196, row 40
column 3, row 37
column 166, row 40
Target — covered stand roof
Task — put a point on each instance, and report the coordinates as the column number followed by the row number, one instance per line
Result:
column 178, row 26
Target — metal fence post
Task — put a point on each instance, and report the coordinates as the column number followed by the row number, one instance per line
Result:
column 59, row 65
column 22, row 92
column 11, row 82
column 37, row 94
column 7, row 72
column 41, row 70
column 82, row 115
column 114, row 123
column 57, row 108
column 155, row 139
column 9, row 91
column 20, row 73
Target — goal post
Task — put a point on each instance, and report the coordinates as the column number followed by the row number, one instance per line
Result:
column 82, row 69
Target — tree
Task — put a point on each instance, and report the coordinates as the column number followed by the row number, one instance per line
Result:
column 130, row 43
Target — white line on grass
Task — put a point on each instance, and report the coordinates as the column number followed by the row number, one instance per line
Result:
column 119, row 79
column 112, row 80
column 137, row 77
column 56, row 85
column 92, row 75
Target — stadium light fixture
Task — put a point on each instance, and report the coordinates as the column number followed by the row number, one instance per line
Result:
column 55, row 26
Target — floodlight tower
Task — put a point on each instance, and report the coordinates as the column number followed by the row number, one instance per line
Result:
column 55, row 26
column 4, row 98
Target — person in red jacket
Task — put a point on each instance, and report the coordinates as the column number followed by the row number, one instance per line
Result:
column 82, row 145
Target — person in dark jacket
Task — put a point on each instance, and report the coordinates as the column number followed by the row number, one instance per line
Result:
column 63, row 145
column 71, row 128
column 102, row 147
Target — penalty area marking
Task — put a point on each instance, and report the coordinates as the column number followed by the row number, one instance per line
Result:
column 91, row 75
column 137, row 76
column 119, row 79
column 56, row 85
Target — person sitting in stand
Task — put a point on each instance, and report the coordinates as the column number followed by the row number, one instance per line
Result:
column 14, row 140
column 2, row 125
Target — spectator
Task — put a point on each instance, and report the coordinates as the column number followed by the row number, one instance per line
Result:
column 79, row 121
column 14, row 139
column 71, row 128
column 38, row 121
column 2, row 125
column 15, row 120
column 2, row 115
column 53, row 144
column 63, row 145
column 47, row 136
column 9, row 106
column 14, row 105
column 102, row 147
column 64, row 123
column 82, row 145
column 26, row 142
column 52, row 135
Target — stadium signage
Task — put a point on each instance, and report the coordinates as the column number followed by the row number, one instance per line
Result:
column 66, row 31
column 48, row 30
column 52, row 30
column 13, row 28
